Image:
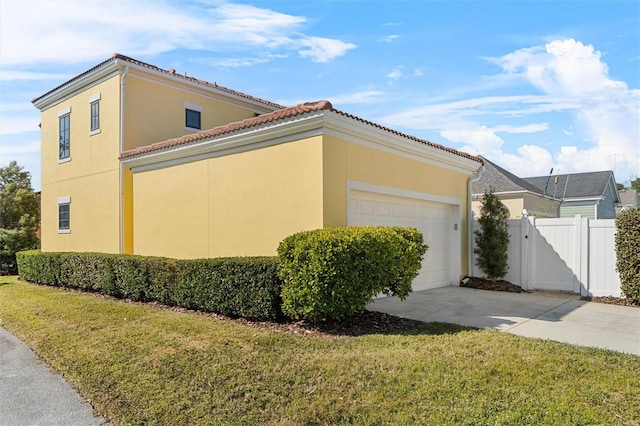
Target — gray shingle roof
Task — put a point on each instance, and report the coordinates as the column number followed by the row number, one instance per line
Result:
column 501, row 180
column 575, row 185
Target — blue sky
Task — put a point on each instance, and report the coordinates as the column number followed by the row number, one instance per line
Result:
column 530, row 85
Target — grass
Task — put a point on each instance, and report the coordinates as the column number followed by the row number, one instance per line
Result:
column 144, row 365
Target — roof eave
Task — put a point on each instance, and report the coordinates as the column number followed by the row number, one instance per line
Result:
column 204, row 87
column 363, row 132
column 69, row 88
column 295, row 128
column 523, row 191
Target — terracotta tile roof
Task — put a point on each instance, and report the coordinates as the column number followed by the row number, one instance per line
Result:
column 170, row 72
column 281, row 114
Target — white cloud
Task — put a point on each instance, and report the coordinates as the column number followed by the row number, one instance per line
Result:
column 561, row 67
column 390, row 38
column 569, row 77
column 477, row 142
column 531, row 161
column 78, row 31
column 395, row 73
column 28, row 75
column 11, row 150
column 18, row 125
column 324, row 49
column 529, row 128
column 364, row 97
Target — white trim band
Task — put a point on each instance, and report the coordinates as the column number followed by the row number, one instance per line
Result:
column 64, row 111
column 193, row 107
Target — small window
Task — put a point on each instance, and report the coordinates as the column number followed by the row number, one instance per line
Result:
column 65, row 143
column 64, row 207
column 95, row 115
column 192, row 120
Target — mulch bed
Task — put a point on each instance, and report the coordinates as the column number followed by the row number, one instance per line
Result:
column 610, row 300
column 360, row 324
column 502, row 285
column 484, row 284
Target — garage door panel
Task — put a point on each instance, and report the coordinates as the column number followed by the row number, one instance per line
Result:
column 433, row 219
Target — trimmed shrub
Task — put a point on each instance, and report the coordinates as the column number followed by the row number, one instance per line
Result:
column 331, row 273
column 41, row 268
column 628, row 252
column 246, row 287
column 243, row 286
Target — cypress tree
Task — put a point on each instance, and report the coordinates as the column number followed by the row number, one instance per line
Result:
column 492, row 239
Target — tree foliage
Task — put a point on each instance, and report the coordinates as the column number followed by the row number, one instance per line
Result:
column 627, row 253
column 492, row 239
column 19, row 212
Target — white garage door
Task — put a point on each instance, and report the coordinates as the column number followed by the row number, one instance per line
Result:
column 434, row 220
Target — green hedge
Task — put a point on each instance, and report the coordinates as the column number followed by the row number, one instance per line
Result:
column 330, row 273
column 242, row 286
column 628, row 252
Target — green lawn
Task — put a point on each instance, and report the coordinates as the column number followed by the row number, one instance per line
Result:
column 144, row 365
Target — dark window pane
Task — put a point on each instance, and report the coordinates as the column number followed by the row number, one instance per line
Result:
column 95, row 115
column 192, row 119
column 64, row 142
column 63, row 216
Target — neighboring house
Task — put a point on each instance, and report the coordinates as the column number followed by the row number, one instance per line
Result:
column 128, row 167
column 593, row 195
column 515, row 193
column 628, row 200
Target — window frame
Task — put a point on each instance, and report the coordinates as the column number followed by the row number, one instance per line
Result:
column 64, row 145
column 64, row 217
column 193, row 113
column 94, row 114
column 193, row 109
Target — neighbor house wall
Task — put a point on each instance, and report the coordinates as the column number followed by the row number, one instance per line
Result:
column 89, row 178
column 606, row 208
column 515, row 204
column 583, row 208
column 540, row 207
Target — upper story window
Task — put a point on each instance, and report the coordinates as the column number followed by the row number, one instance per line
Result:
column 95, row 115
column 94, row 102
column 64, row 140
column 192, row 116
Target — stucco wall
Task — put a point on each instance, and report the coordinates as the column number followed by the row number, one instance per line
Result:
column 90, row 177
column 242, row 204
column 348, row 161
column 516, row 203
column 156, row 112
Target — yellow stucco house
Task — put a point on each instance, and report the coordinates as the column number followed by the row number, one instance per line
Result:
column 139, row 159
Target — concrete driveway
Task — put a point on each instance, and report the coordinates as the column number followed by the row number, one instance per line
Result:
column 544, row 315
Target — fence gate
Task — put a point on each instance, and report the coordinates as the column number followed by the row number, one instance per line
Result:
column 572, row 254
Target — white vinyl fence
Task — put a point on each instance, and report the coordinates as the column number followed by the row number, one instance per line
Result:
column 573, row 254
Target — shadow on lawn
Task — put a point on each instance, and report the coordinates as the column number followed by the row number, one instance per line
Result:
column 361, row 324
